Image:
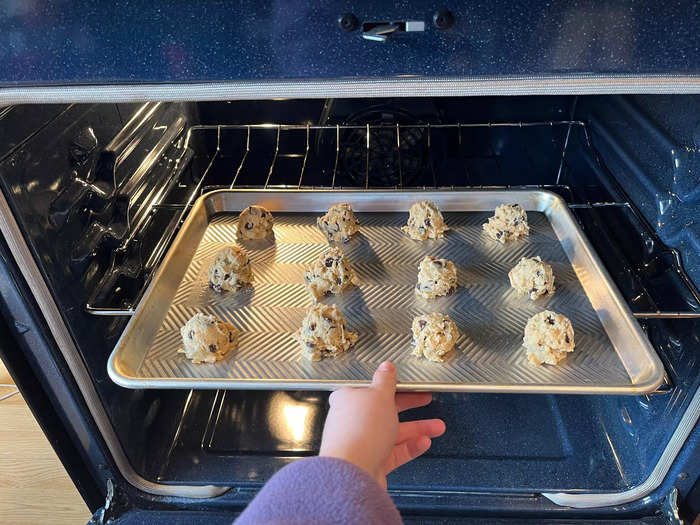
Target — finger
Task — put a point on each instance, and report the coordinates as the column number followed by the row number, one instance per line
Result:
column 407, row 400
column 407, row 451
column 424, row 427
column 385, row 378
column 337, row 395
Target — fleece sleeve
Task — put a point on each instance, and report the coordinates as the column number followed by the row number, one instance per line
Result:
column 321, row 490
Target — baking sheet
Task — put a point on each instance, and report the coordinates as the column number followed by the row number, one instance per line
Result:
column 611, row 356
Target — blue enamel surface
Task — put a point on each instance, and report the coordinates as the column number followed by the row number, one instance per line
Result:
column 57, row 41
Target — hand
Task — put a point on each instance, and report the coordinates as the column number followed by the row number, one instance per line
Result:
column 363, row 426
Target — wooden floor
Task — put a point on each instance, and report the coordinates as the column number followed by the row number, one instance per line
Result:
column 34, row 487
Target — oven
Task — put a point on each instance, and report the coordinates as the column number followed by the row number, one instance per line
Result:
column 98, row 176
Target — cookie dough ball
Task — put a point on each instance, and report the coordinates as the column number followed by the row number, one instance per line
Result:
column 548, row 338
column 436, row 277
column 508, row 223
column 329, row 274
column 206, row 339
column 323, row 333
column 425, row 222
column 255, row 222
column 339, row 224
column 434, row 336
column 230, row 269
column 533, row 277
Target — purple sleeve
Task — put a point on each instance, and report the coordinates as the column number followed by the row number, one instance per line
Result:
column 321, row 490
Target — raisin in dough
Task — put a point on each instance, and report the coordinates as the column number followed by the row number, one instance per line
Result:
column 329, row 274
column 436, row 277
column 323, row 333
column 425, row 222
column 230, row 269
column 533, row 277
column 339, row 224
column 548, row 338
column 255, row 222
column 434, row 336
column 508, row 223
column 206, row 339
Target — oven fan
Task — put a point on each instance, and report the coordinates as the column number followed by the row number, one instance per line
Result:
column 384, row 156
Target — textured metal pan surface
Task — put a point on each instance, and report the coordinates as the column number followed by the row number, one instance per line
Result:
column 490, row 315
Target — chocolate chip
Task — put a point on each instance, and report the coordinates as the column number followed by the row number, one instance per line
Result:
column 262, row 214
column 326, row 223
column 248, row 225
column 545, row 292
column 550, row 320
column 422, row 324
column 230, row 337
column 191, row 334
column 539, row 273
column 213, row 348
column 517, row 221
column 513, row 205
column 499, row 234
column 566, row 338
column 451, row 290
column 327, row 293
column 307, row 277
column 227, row 277
column 312, row 326
column 338, row 280
column 329, row 262
column 438, row 263
column 427, row 222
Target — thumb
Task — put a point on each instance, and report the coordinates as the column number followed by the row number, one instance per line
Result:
column 385, row 378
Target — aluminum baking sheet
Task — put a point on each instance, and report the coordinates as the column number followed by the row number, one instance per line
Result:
column 612, row 355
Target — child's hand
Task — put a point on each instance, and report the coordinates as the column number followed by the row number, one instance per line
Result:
column 363, row 426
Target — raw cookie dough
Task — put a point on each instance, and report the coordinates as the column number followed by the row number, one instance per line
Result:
column 434, row 336
column 533, row 277
column 425, row 222
column 436, row 277
column 548, row 338
column 323, row 333
column 206, row 339
column 255, row 222
column 339, row 224
column 230, row 269
column 508, row 223
column 329, row 274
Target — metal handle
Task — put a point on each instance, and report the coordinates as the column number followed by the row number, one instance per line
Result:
column 381, row 31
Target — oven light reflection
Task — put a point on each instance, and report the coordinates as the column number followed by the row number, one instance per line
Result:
column 296, row 420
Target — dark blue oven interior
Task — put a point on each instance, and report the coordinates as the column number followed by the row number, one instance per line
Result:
column 100, row 190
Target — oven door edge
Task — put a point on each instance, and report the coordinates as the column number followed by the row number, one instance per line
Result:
column 30, row 271
column 572, row 84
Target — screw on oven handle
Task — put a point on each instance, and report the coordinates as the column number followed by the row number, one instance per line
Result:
column 348, row 22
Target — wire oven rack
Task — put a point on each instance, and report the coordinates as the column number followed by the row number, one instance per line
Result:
column 370, row 146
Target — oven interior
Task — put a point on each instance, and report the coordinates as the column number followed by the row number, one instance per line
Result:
column 100, row 191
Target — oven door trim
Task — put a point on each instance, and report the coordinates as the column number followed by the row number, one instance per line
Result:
column 573, row 84
column 18, row 247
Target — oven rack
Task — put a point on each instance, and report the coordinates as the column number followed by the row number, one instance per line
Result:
column 307, row 138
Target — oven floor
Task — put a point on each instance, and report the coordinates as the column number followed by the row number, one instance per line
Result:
column 523, row 443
